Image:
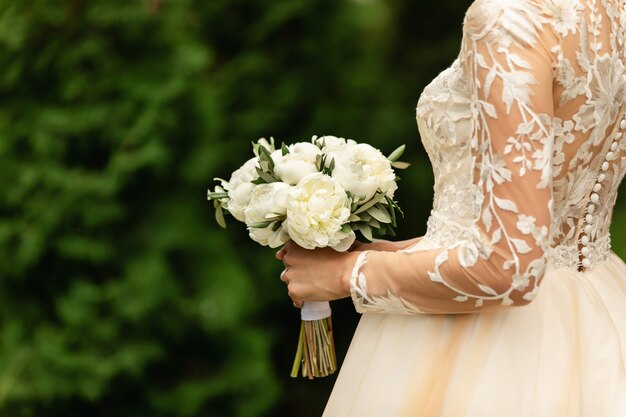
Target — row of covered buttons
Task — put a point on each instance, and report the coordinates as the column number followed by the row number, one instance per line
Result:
column 595, row 197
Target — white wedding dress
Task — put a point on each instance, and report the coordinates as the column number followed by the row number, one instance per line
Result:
column 513, row 303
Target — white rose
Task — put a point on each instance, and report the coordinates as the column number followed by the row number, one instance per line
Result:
column 330, row 143
column 362, row 170
column 298, row 163
column 240, row 187
column 267, row 202
column 317, row 209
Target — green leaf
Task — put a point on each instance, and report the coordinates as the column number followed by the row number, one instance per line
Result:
column 284, row 149
column 392, row 211
column 373, row 223
column 264, row 153
column 259, row 149
column 354, row 218
column 216, row 196
column 319, row 162
column 219, row 216
column 265, row 159
column 332, row 165
column 377, row 197
column 395, row 155
column 365, row 216
column 380, row 214
column 268, row 177
column 346, row 228
column 365, row 231
column 397, row 207
column 400, row 165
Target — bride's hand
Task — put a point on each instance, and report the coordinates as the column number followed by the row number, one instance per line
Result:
column 321, row 274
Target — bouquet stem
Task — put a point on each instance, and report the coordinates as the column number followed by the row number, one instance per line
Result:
column 315, row 354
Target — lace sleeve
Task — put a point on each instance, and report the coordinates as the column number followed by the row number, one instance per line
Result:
column 506, row 55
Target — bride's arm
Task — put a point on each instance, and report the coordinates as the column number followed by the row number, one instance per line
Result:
column 507, row 58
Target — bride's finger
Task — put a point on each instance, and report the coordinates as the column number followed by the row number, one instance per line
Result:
column 282, row 275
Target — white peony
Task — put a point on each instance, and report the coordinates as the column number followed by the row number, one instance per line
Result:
column 331, row 143
column 240, row 187
column 362, row 170
column 317, row 209
column 297, row 164
column 267, row 203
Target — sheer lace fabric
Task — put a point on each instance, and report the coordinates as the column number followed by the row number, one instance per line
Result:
column 525, row 135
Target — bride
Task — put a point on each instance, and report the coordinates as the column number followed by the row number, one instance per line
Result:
column 513, row 303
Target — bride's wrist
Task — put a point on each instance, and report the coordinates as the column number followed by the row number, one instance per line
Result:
column 350, row 260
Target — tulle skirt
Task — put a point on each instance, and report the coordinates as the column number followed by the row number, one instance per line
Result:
column 563, row 355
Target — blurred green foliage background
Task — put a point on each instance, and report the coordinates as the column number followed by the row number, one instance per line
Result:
column 119, row 294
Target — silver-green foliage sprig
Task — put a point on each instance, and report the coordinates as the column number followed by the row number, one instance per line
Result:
column 220, row 199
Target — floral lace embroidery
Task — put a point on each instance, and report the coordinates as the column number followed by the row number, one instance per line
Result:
column 567, row 257
column 389, row 303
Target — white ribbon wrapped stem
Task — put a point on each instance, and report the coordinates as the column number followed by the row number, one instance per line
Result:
column 315, row 310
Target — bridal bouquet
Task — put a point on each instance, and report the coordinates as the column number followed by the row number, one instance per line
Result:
column 318, row 194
